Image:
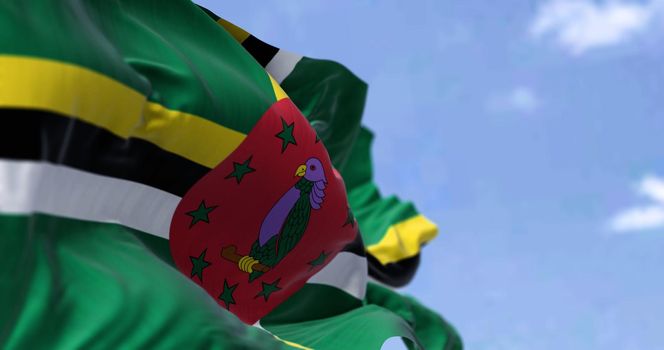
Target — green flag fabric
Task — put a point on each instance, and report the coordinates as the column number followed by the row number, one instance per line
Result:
column 75, row 284
column 113, row 111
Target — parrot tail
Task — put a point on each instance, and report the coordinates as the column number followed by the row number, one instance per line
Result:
column 254, row 275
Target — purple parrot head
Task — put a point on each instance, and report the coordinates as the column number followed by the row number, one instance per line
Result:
column 314, row 172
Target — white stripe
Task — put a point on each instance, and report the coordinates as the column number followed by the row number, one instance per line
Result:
column 346, row 271
column 282, row 64
column 33, row 187
column 28, row 187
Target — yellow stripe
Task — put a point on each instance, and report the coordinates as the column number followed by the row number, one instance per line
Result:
column 238, row 33
column 403, row 240
column 291, row 344
column 241, row 35
column 67, row 89
column 287, row 342
column 190, row 136
column 279, row 93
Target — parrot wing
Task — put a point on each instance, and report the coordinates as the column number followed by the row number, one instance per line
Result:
column 294, row 227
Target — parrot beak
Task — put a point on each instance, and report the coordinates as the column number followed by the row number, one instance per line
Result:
column 301, row 170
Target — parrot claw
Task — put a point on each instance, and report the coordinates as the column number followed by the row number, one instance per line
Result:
column 247, row 263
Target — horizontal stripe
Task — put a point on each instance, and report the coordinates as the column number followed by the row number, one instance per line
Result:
column 30, row 187
column 277, row 62
column 279, row 93
column 264, row 53
column 346, row 271
column 238, row 33
column 209, row 13
column 260, row 50
column 43, row 136
column 289, row 343
column 282, row 64
column 192, row 137
column 396, row 274
column 67, row 89
column 356, row 246
column 403, row 240
column 172, row 53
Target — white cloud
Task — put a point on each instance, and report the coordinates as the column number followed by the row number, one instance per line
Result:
column 581, row 25
column 640, row 218
column 643, row 217
column 653, row 187
column 519, row 99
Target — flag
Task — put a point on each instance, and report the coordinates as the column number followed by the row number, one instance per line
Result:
column 332, row 98
column 160, row 176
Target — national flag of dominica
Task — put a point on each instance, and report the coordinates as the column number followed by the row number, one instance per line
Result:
column 332, row 98
column 130, row 123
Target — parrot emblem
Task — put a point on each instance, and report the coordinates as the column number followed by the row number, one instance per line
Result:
column 285, row 224
column 273, row 213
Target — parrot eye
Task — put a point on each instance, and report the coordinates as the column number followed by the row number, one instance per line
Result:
column 312, row 167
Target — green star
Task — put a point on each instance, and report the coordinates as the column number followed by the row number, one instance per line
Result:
column 241, row 169
column 268, row 289
column 200, row 214
column 198, row 264
column 286, row 134
column 319, row 260
column 227, row 294
column 350, row 219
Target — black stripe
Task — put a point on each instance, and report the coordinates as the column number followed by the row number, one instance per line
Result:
column 209, row 13
column 261, row 51
column 356, row 246
column 396, row 274
column 43, row 136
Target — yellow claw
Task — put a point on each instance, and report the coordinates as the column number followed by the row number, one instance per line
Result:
column 247, row 263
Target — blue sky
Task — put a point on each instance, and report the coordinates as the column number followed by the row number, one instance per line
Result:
column 532, row 133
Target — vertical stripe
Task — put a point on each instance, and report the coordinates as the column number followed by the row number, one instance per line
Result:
column 261, row 51
column 282, row 65
column 346, row 271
